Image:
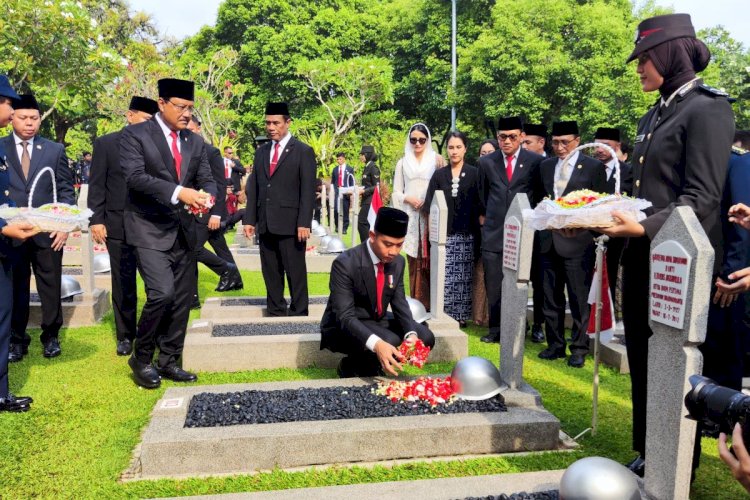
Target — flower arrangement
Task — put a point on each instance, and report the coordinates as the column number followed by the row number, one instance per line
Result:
column 415, row 353
column 433, row 390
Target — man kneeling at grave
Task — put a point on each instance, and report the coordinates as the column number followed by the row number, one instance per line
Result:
column 364, row 281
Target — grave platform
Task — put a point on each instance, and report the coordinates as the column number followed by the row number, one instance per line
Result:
column 299, row 348
column 249, row 260
column 101, row 280
column 247, row 308
column 86, row 309
column 172, row 450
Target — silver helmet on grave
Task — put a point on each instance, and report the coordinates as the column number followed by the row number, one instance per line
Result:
column 474, row 378
column 335, row 245
column 418, row 311
column 318, row 229
column 69, row 287
column 101, row 263
column 598, row 478
column 324, row 241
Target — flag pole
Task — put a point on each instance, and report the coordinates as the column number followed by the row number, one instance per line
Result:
column 600, row 249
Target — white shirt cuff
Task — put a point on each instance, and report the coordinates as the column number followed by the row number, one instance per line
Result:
column 176, row 193
column 408, row 334
column 371, row 341
column 217, row 216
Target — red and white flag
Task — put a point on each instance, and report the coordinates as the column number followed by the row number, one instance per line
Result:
column 608, row 310
column 375, row 205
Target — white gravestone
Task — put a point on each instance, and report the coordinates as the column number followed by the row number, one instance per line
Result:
column 438, row 224
column 324, row 206
column 681, row 271
column 518, row 246
column 87, row 262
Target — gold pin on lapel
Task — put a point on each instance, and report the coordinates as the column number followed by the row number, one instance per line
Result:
column 520, row 166
column 580, row 166
column 38, row 146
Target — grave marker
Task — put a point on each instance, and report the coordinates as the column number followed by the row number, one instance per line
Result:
column 681, row 271
column 438, row 224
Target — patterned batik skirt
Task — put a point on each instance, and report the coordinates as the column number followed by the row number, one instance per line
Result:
column 459, row 270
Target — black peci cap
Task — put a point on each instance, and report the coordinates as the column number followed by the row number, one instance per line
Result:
column 391, row 222
column 657, row 30
column 172, row 87
column 366, row 149
column 534, row 129
column 277, row 108
column 143, row 104
column 26, row 101
column 509, row 123
column 565, row 128
column 610, row 134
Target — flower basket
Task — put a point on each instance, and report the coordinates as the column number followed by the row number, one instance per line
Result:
column 50, row 217
column 583, row 208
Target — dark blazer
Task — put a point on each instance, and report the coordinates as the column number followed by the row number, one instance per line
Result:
column 45, row 154
column 216, row 162
column 353, row 298
column 151, row 220
column 496, row 193
column 587, row 173
column 686, row 153
column 735, row 243
column 370, row 179
column 282, row 202
column 107, row 188
column 626, row 179
column 348, row 178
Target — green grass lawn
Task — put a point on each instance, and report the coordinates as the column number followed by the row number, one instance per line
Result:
column 88, row 416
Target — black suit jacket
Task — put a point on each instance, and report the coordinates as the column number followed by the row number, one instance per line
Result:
column 496, row 192
column 353, row 298
column 45, row 154
column 587, row 173
column 107, row 188
column 282, row 202
column 348, row 178
column 626, row 179
column 151, row 220
column 216, row 162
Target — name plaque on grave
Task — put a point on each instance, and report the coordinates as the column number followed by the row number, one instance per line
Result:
column 434, row 223
column 670, row 272
column 438, row 225
column 511, row 243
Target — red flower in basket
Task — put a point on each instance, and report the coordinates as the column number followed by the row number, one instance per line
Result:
column 205, row 208
column 415, row 353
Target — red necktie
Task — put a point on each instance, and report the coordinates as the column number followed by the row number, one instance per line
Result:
column 176, row 153
column 380, row 284
column 341, row 177
column 509, row 167
column 275, row 158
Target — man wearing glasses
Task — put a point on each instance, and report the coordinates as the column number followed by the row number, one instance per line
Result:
column 503, row 174
column 160, row 158
column 568, row 259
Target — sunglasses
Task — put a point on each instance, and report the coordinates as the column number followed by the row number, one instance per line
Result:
column 420, row 140
column 505, row 137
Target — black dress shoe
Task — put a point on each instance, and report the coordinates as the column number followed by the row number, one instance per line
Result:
column 231, row 279
column 491, row 338
column 17, row 352
column 552, row 353
column 174, row 372
column 576, row 360
column 537, row 334
column 52, row 348
column 196, row 303
column 24, row 400
column 13, row 405
column 637, row 466
column 124, row 347
column 462, row 324
column 144, row 375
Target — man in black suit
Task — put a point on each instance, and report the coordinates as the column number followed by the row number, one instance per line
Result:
column 567, row 257
column 503, row 174
column 611, row 137
column 342, row 177
column 233, row 170
column 161, row 160
column 209, row 226
column 107, row 197
column 364, row 281
column 370, row 180
column 280, row 204
column 27, row 154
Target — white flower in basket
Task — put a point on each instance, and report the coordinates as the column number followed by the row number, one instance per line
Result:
column 584, row 208
column 49, row 217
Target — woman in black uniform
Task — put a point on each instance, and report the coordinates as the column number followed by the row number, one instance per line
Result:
column 680, row 159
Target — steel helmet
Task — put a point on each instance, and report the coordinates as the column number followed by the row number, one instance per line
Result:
column 101, row 263
column 69, row 287
column 335, row 245
column 476, row 378
column 418, row 311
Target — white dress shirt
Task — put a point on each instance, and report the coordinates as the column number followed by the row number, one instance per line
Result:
column 282, row 145
column 168, row 136
column 567, row 171
column 19, row 146
column 611, row 164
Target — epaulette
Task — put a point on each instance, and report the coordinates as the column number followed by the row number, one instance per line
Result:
column 739, row 151
column 713, row 90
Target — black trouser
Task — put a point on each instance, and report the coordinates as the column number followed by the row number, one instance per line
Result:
column 6, row 309
column 284, row 256
column 363, row 225
column 214, row 262
column 493, row 283
column 345, row 203
column 574, row 274
column 47, row 265
column 123, row 265
column 537, row 283
column 169, row 278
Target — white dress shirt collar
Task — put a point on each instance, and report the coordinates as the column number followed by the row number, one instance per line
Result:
column 168, row 132
column 19, row 147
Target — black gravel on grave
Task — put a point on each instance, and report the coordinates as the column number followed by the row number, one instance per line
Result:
column 306, row 404
column 252, row 329
column 34, row 297
column 540, row 495
column 261, row 301
column 73, row 271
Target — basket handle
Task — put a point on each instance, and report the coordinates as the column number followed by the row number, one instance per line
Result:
column 579, row 148
column 36, row 179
